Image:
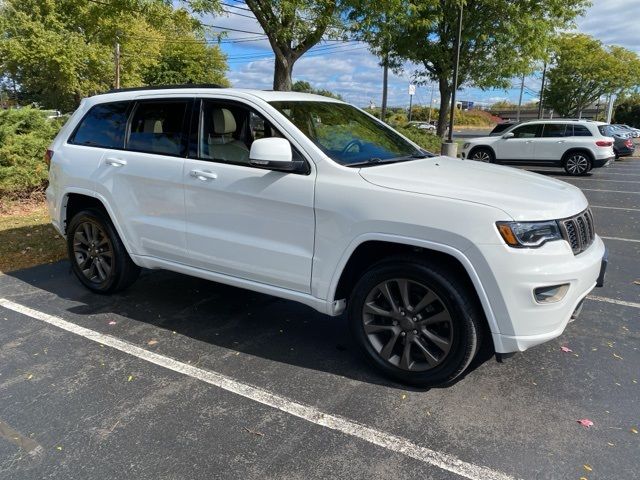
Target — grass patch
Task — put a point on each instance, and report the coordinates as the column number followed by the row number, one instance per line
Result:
column 27, row 237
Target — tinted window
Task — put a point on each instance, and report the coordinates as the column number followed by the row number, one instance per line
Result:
column 554, row 130
column 581, row 131
column 157, row 127
column 103, row 126
column 347, row 135
column 525, row 131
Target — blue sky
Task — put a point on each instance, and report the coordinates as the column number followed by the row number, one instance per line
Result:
column 349, row 69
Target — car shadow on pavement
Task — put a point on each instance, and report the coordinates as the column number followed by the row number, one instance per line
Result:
column 229, row 317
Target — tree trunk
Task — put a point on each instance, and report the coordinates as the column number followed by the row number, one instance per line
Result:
column 385, row 83
column 445, row 99
column 283, row 68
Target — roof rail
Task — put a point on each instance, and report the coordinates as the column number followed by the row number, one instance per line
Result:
column 166, row 87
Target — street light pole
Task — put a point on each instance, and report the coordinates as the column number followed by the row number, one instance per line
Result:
column 541, row 102
column 455, row 75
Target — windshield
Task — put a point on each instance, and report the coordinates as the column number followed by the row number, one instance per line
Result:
column 347, row 135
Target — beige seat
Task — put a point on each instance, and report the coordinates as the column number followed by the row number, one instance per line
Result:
column 222, row 145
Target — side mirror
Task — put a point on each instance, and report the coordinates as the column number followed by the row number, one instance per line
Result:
column 508, row 135
column 273, row 153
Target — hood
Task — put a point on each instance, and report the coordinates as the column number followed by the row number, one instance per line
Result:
column 520, row 194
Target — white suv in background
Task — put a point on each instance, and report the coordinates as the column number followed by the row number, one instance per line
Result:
column 576, row 145
column 313, row 200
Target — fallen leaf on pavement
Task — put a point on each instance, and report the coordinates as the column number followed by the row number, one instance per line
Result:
column 615, row 355
column 254, row 432
column 152, row 342
column 566, row 349
column 587, row 467
column 634, row 430
column 130, row 378
column 637, row 282
column 403, row 396
column 30, row 376
column 112, row 322
column 585, row 422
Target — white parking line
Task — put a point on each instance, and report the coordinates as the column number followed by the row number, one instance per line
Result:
column 621, row 239
column 616, row 208
column 391, row 442
column 605, row 180
column 613, row 300
column 606, row 191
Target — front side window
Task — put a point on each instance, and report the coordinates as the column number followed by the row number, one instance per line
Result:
column 347, row 135
column 526, row 131
column 103, row 126
column 554, row 130
column 158, row 127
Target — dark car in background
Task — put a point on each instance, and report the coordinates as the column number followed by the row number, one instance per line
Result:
column 635, row 132
column 622, row 140
column 501, row 127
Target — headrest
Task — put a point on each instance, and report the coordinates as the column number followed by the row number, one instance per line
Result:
column 151, row 125
column 223, row 121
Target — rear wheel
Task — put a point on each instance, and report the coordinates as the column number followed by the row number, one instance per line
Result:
column 577, row 163
column 417, row 323
column 98, row 257
column 482, row 155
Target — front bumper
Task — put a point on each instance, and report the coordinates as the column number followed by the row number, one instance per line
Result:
column 524, row 322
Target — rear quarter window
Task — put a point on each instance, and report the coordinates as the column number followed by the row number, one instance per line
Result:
column 103, row 126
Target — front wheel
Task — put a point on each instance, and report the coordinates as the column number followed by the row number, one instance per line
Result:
column 98, row 257
column 417, row 323
column 577, row 164
column 482, row 155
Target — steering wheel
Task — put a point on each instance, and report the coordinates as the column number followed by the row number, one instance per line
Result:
column 352, row 144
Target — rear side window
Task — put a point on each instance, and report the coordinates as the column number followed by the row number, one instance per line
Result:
column 103, row 126
column 158, row 127
column 554, row 130
column 581, row 131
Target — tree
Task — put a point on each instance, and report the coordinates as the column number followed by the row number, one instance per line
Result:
column 293, row 27
column 584, row 70
column 628, row 110
column 500, row 40
column 58, row 51
column 305, row 87
column 373, row 23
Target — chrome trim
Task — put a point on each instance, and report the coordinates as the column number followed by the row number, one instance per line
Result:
column 578, row 230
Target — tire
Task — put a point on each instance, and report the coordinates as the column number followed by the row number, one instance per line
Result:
column 451, row 317
column 577, row 163
column 98, row 257
column 482, row 154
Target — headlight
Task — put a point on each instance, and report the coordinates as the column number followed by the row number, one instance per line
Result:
column 529, row 234
column 465, row 146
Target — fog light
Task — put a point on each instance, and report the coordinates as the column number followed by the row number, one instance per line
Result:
column 551, row 294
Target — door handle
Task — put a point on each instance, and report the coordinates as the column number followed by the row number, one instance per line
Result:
column 116, row 162
column 529, row 141
column 561, row 141
column 203, row 175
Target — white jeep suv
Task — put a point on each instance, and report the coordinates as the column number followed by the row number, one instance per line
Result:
column 313, row 200
column 576, row 145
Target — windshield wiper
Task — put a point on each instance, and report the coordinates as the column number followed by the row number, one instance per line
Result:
column 378, row 161
column 371, row 161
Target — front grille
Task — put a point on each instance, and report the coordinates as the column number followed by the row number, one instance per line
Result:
column 578, row 231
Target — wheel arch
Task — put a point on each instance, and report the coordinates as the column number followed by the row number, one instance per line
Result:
column 371, row 248
column 74, row 201
column 578, row 150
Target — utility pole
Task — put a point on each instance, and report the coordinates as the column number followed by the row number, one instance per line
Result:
column 412, row 91
column 541, row 102
column 452, row 146
column 117, row 62
column 520, row 101
column 610, row 108
column 431, row 102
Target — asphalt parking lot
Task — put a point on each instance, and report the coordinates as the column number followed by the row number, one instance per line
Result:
column 179, row 378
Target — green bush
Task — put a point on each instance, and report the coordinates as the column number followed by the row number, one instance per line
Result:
column 25, row 135
column 429, row 141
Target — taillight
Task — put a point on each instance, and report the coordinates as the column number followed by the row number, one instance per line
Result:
column 47, row 157
column 604, row 143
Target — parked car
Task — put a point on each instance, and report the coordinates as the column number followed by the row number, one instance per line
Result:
column 310, row 199
column 622, row 140
column 501, row 127
column 577, row 146
column 423, row 126
column 635, row 132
